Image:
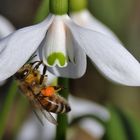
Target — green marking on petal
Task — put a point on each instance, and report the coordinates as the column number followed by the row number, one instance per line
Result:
column 57, row 56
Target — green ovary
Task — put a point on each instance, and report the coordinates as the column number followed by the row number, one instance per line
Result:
column 57, row 56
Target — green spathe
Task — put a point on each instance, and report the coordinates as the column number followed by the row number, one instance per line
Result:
column 77, row 5
column 57, row 56
column 59, row 7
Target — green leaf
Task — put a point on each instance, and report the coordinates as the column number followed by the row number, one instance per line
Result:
column 135, row 127
column 114, row 128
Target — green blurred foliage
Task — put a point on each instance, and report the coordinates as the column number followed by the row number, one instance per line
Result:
column 112, row 12
column 5, row 112
column 121, row 126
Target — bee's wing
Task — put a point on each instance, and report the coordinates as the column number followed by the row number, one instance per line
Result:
column 38, row 117
column 34, row 107
column 36, row 104
column 49, row 117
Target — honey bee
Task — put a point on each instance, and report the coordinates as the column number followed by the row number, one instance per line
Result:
column 42, row 97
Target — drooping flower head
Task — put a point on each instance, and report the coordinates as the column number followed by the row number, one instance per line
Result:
column 63, row 46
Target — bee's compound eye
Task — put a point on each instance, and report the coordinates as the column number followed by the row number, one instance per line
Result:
column 25, row 72
column 22, row 75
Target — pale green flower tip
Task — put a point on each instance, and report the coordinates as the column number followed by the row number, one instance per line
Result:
column 77, row 5
column 59, row 57
column 59, row 7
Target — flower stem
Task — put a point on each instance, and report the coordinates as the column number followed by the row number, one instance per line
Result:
column 77, row 5
column 62, row 119
column 59, row 7
column 6, row 107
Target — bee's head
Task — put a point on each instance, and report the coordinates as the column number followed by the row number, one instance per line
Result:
column 23, row 72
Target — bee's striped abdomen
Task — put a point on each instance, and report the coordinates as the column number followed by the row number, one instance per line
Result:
column 55, row 104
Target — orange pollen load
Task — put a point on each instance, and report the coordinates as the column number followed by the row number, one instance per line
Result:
column 48, row 91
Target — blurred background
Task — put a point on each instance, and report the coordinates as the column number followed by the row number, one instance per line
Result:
column 123, row 17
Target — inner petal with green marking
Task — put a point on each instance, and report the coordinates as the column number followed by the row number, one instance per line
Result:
column 57, row 58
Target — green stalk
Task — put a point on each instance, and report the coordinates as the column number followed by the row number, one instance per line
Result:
column 77, row 5
column 7, row 107
column 62, row 119
column 59, row 7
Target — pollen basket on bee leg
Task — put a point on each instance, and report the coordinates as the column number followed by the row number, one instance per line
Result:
column 48, row 91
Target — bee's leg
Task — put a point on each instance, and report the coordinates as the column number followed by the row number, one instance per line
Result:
column 43, row 74
column 57, row 88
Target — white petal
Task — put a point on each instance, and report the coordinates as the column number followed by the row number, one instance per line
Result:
column 20, row 46
column 110, row 57
column 82, row 107
column 73, row 70
column 70, row 46
column 85, row 19
column 93, row 128
column 5, row 27
column 51, row 78
column 3, row 44
column 55, row 42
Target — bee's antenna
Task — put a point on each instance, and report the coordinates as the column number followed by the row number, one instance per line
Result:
column 33, row 56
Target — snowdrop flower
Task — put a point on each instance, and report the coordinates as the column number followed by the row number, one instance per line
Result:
column 5, row 28
column 63, row 46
